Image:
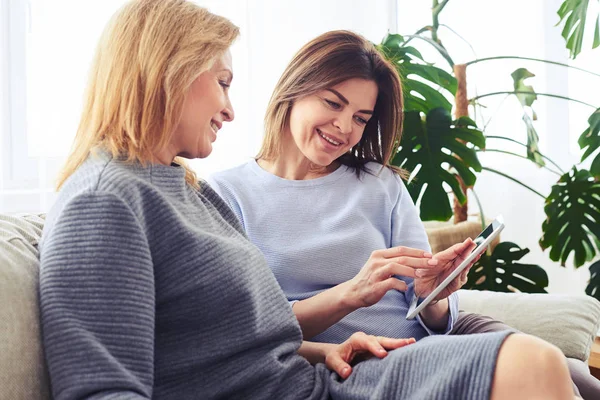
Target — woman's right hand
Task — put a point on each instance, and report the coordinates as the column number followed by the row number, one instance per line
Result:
column 378, row 275
column 360, row 343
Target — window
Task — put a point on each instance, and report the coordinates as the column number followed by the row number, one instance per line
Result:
column 45, row 53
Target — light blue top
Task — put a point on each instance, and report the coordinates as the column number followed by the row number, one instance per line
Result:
column 318, row 233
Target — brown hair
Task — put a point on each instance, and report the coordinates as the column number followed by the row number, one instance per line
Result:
column 326, row 61
column 148, row 56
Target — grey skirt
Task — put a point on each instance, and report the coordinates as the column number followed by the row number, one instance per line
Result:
column 436, row 367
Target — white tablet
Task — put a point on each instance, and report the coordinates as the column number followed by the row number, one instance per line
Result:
column 482, row 241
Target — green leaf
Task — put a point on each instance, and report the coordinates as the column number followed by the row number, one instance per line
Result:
column 526, row 99
column 590, row 142
column 573, row 12
column 431, row 73
column 597, row 33
column 572, row 222
column 425, row 86
column 433, row 97
column 501, row 272
column 519, row 76
column 392, row 40
column 533, row 149
column 470, row 135
column 427, row 143
column 593, row 287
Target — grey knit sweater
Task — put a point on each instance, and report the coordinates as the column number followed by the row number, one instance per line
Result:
column 150, row 289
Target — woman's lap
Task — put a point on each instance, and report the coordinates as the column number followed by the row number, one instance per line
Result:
column 437, row 367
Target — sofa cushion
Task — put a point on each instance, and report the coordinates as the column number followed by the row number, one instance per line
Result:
column 443, row 235
column 22, row 368
column 570, row 322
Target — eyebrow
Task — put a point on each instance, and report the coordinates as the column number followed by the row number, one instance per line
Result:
column 346, row 102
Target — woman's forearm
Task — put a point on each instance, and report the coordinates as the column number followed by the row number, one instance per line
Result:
column 319, row 312
column 436, row 316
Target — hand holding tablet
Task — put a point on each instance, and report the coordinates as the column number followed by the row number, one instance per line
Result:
column 451, row 263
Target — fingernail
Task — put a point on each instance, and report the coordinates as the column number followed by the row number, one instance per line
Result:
column 420, row 273
column 433, row 261
column 382, row 351
column 345, row 371
column 427, row 254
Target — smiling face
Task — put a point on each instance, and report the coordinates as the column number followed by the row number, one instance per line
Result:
column 327, row 124
column 205, row 108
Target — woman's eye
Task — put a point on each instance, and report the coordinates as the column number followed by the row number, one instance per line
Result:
column 332, row 104
column 224, row 84
column 361, row 120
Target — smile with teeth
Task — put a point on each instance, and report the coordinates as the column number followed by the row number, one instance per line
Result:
column 330, row 140
column 214, row 126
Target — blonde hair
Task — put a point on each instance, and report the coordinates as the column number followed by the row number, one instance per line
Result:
column 148, row 56
column 326, row 61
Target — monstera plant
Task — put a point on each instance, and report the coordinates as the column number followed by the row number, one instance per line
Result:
column 442, row 152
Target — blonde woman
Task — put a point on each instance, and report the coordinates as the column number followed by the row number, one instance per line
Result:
column 335, row 221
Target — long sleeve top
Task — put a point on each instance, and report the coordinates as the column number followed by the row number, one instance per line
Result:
column 318, row 233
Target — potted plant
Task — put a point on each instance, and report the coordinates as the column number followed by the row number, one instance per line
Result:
column 442, row 151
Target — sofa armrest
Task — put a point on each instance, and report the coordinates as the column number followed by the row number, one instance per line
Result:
column 23, row 372
column 570, row 322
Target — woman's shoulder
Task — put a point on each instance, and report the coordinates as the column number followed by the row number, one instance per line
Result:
column 101, row 177
column 233, row 180
column 378, row 178
column 375, row 171
column 235, row 175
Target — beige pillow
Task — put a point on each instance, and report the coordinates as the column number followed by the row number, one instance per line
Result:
column 568, row 321
column 22, row 368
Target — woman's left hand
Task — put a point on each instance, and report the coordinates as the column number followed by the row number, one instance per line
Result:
column 447, row 261
column 361, row 344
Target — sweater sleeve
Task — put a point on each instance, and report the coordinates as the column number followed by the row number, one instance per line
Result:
column 97, row 301
column 408, row 230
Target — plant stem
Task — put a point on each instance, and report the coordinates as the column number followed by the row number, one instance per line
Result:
column 495, row 112
column 536, row 93
column 516, row 155
column 530, row 59
column 435, row 12
column 441, row 49
column 417, row 34
column 461, row 38
column 436, row 9
column 481, row 217
column 524, row 145
column 514, row 180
